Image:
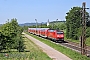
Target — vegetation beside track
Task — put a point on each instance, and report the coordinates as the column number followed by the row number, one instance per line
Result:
column 88, row 41
column 78, row 41
column 68, row 52
column 32, row 52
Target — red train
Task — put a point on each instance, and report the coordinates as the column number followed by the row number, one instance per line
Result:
column 56, row 35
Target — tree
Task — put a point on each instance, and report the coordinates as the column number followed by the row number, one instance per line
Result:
column 73, row 22
column 1, row 41
column 6, row 31
column 10, row 31
column 19, row 44
column 18, row 41
column 63, row 26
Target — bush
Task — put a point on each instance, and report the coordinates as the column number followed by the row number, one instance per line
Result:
column 88, row 32
column 11, row 36
column 20, row 45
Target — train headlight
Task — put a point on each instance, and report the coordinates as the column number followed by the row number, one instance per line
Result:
column 62, row 36
column 58, row 36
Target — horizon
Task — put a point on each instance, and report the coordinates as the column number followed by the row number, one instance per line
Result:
column 35, row 22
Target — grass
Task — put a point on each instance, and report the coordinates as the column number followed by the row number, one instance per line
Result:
column 35, row 52
column 77, row 41
column 32, row 52
column 68, row 52
column 88, row 41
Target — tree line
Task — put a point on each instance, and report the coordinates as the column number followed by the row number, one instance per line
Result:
column 74, row 23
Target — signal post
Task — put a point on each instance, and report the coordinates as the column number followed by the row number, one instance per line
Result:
column 83, row 36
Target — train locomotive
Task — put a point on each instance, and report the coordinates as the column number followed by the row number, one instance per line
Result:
column 55, row 35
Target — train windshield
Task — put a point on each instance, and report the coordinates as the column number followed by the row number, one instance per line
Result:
column 59, row 32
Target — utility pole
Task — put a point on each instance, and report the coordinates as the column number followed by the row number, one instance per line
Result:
column 36, row 24
column 83, row 37
column 56, row 23
column 52, row 25
column 41, row 24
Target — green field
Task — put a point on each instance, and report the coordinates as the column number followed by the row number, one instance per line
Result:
column 32, row 52
column 68, row 52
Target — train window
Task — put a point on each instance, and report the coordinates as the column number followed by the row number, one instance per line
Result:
column 59, row 32
column 51, row 30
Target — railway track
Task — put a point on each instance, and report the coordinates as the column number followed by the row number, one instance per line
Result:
column 74, row 46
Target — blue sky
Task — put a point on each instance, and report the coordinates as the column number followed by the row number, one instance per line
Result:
column 26, row 11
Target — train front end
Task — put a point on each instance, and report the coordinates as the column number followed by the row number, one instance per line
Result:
column 60, row 35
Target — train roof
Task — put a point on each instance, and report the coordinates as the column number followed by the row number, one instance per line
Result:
column 39, row 28
column 55, row 30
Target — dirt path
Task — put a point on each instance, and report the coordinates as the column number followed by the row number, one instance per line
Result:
column 52, row 53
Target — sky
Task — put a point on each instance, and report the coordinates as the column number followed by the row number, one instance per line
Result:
column 26, row 11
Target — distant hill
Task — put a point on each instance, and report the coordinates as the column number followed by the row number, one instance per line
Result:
column 58, row 21
column 27, row 24
column 0, row 24
column 30, row 24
